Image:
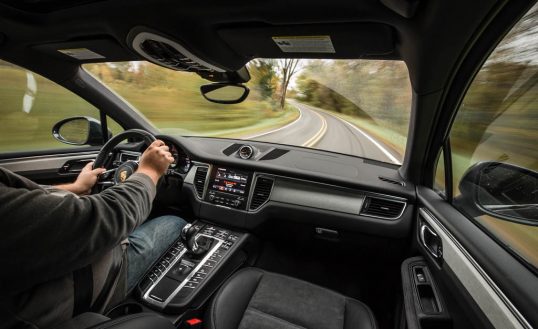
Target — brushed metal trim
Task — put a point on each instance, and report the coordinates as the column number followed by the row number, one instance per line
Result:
column 155, row 302
column 492, row 301
column 43, row 162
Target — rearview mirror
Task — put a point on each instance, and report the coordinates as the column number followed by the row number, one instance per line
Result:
column 501, row 190
column 79, row 131
column 224, row 93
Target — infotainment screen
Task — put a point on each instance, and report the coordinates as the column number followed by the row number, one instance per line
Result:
column 230, row 181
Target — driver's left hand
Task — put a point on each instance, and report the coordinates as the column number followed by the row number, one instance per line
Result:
column 87, row 179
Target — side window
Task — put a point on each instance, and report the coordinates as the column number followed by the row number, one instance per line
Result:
column 494, row 143
column 30, row 105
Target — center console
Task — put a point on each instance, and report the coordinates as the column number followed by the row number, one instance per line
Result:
column 229, row 187
column 193, row 268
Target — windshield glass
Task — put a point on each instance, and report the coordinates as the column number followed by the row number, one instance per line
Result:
column 355, row 107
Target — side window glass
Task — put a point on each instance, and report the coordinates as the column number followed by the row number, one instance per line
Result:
column 494, row 143
column 30, row 105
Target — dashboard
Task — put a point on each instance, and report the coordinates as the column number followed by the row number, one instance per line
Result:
column 249, row 185
column 276, row 182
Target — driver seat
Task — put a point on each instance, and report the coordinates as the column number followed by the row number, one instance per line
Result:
column 253, row 298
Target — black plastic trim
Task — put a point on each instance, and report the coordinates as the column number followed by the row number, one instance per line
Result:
column 504, row 16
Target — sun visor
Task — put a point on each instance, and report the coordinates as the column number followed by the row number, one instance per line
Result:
column 87, row 51
column 343, row 41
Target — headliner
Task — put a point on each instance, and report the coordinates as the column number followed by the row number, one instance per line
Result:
column 430, row 42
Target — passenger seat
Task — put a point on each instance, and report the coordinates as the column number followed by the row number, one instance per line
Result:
column 256, row 299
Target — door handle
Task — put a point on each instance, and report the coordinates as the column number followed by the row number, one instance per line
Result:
column 431, row 241
column 74, row 166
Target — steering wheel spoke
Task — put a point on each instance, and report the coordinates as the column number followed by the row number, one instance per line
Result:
column 108, row 178
column 105, row 176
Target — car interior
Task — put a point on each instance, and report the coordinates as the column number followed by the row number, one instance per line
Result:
column 283, row 236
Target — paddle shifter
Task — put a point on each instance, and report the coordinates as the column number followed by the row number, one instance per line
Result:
column 196, row 246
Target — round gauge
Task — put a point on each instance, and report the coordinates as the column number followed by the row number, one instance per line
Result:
column 175, row 154
column 183, row 162
column 246, row 152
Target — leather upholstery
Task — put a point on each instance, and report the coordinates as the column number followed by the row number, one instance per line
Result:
column 134, row 321
column 253, row 298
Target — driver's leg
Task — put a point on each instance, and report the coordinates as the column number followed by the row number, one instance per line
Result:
column 148, row 242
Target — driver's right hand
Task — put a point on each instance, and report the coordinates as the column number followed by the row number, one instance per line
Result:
column 155, row 160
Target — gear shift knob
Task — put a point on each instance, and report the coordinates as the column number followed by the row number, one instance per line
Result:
column 187, row 232
column 188, row 236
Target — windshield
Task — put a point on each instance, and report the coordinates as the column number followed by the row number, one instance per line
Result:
column 355, row 107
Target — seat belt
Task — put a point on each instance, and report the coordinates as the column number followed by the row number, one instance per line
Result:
column 83, row 286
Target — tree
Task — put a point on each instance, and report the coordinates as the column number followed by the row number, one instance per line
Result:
column 263, row 77
column 288, row 68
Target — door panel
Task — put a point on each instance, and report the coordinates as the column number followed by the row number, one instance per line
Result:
column 49, row 169
column 505, row 291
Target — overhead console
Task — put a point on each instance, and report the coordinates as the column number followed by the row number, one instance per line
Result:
column 165, row 51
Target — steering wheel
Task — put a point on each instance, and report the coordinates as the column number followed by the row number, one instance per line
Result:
column 125, row 169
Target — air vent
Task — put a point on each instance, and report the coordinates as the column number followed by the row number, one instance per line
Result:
column 392, row 181
column 261, row 193
column 199, row 181
column 382, row 208
column 170, row 54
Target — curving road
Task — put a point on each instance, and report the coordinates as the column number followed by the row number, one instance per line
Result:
column 321, row 130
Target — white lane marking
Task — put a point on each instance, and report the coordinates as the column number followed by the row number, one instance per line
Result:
column 371, row 139
column 321, row 132
column 278, row 129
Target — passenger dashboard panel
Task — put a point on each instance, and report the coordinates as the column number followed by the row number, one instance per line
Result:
column 249, row 199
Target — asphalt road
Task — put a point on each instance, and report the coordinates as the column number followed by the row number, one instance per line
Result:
column 319, row 129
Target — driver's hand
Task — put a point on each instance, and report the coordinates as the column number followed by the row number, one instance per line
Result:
column 87, row 179
column 155, row 160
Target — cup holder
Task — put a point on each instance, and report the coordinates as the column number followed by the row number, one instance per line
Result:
column 125, row 309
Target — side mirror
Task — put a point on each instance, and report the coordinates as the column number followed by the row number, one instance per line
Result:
column 224, row 93
column 79, row 131
column 501, row 190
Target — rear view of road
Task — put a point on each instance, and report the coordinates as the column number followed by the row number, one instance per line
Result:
column 322, row 130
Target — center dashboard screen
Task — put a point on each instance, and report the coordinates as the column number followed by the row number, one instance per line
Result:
column 230, row 181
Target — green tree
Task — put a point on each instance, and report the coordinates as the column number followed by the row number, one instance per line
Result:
column 263, row 77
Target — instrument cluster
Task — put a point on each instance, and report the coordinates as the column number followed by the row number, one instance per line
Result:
column 182, row 162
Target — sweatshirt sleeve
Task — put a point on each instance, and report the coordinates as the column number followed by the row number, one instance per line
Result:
column 46, row 236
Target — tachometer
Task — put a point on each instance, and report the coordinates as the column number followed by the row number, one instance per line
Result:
column 182, row 162
column 175, row 154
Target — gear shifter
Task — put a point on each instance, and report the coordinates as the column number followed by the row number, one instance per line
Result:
column 196, row 246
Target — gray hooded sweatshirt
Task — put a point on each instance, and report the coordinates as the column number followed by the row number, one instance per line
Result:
column 45, row 237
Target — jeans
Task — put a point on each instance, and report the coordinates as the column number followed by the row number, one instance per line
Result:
column 148, row 242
